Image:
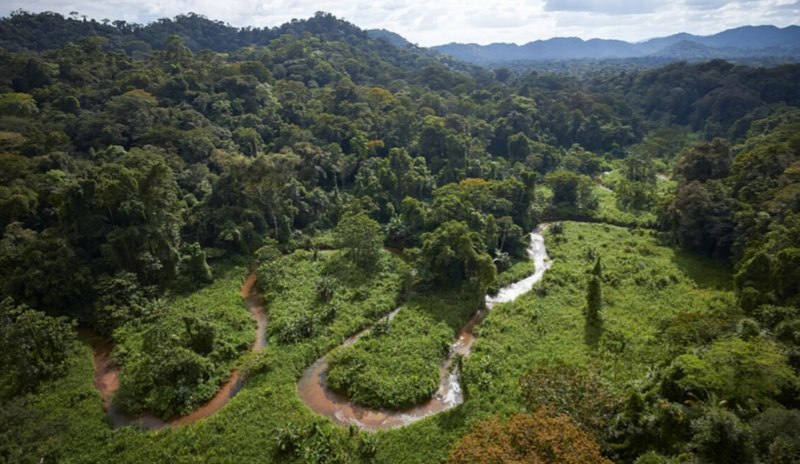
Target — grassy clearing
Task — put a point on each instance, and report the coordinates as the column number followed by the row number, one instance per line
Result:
column 645, row 286
column 609, row 211
column 329, row 296
column 396, row 365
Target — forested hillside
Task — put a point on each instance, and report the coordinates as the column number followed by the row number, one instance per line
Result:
column 747, row 42
column 146, row 171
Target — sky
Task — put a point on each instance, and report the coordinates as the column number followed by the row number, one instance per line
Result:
column 435, row 22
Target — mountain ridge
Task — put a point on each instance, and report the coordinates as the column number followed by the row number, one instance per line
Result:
column 765, row 40
column 24, row 30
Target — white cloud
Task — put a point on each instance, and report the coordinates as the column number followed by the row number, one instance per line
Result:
column 608, row 7
column 429, row 22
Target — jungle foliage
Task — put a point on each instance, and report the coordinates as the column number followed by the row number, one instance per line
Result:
column 144, row 167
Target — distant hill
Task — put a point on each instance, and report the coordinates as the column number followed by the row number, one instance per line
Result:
column 741, row 42
column 24, row 30
column 27, row 31
column 42, row 31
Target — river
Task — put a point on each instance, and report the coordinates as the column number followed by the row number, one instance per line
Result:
column 312, row 386
column 314, row 391
column 106, row 373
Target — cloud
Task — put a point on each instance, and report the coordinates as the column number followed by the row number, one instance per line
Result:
column 714, row 4
column 781, row 9
column 429, row 22
column 609, row 7
column 705, row 4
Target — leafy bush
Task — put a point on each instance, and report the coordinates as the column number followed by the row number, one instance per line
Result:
column 577, row 393
column 748, row 373
column 719, row 437
column 538, row 438
column 776, row 437
column 33, row 347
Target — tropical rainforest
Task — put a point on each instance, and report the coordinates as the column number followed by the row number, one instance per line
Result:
column 193, row 213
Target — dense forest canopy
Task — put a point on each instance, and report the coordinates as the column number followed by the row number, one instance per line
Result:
column 143, row 166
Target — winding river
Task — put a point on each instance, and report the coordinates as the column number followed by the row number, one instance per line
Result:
column 106, row 373
column 312, row 386
column 318, row 397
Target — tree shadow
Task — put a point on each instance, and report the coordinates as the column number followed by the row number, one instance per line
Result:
column 705, row 272
column 452, row 306
column 592, row 331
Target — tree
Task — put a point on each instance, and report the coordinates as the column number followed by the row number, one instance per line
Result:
column 754, row 283
column 18, row 104
column 594, row 296
column 33, row 347
column 750, row 373
column 200, row 335
column 540, row 438
column 519, row 147
column 454, row 254
column 42, row 270
column 776, row 438
column 361, row 238
column 703, row 217
column 120, row 300
column 571, row 189
column 637, row 189
column 719, row 437
column 193, row 268
column 707, row 160
column 248, row 140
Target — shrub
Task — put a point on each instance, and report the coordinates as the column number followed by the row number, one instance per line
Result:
column 721, row 438
column 776, row 438
column 568, row 390
column 541, row 438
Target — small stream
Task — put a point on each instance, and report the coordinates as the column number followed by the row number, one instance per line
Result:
column 314, row 391
column 106, row 373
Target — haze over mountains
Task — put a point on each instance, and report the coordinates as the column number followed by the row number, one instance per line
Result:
column 741, row 42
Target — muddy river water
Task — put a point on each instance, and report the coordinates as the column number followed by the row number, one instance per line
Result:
column 106, row 373
column 317, row 396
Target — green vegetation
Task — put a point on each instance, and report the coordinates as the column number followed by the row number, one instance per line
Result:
column 628, row 339
column 60, row 421
column 605, row 205
column 396, row 365
column 137, row 162
column 516, row 272
column 35, row 347
column 176, row 359
column 594, row 295
column 353, row 297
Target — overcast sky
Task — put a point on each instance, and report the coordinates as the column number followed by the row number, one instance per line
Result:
column 434, row 22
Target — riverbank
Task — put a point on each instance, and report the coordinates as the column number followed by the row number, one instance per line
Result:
column 316, row 393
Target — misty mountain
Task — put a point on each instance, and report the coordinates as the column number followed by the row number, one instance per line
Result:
column 741, row 42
